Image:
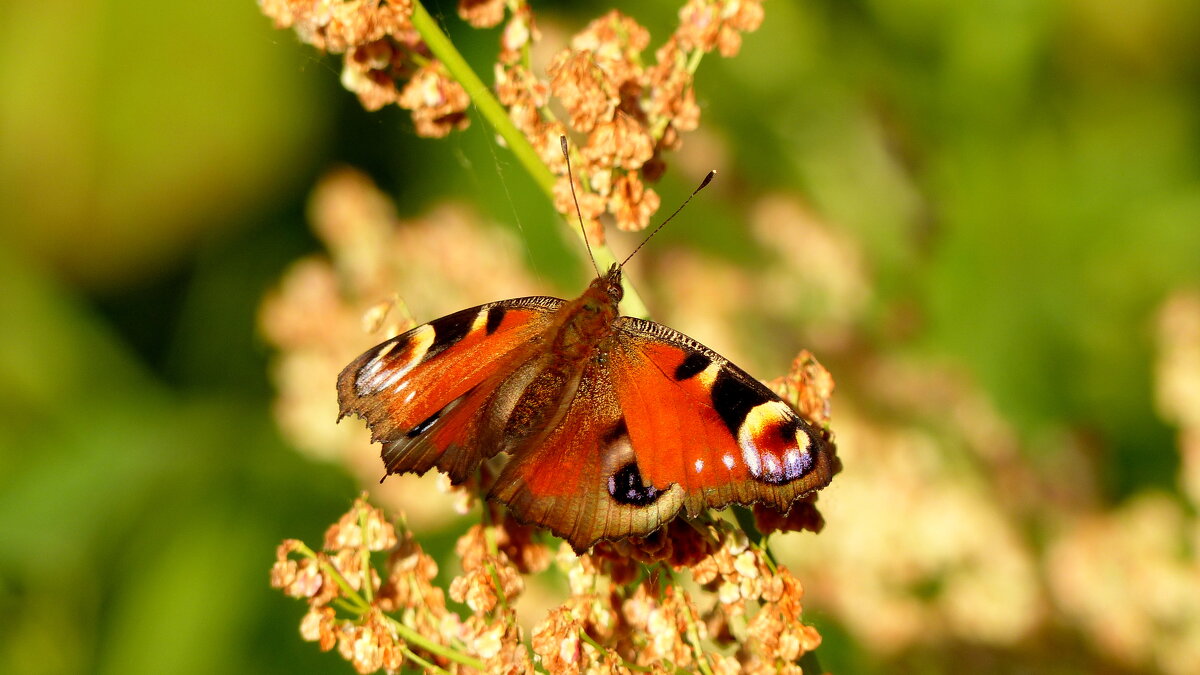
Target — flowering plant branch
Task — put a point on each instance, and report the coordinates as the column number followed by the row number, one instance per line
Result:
column 370, row 589
column 487, row 105
column 617, row 618
column 631, row 113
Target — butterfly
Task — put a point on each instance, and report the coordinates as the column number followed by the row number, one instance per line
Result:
column 612, row 424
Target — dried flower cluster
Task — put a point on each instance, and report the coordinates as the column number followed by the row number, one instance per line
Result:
column 625, row 113
column 371, row 595
column 391, row 613
column 630, row 113
column 385, row 59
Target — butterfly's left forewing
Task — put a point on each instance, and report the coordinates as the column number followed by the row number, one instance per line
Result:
column 434, row 395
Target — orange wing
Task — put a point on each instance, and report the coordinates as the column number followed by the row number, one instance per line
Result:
column 435, row 396
column 660, row 423
column 565, row 479
column 698, row 421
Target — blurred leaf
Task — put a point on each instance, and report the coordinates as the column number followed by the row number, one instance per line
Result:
column 130, row 127
column 154, row 519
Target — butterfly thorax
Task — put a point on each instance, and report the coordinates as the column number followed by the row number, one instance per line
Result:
column 583, row 327
column 589, row 319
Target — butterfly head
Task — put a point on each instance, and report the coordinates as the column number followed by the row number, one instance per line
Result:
column 604, row 294
column 612, row 283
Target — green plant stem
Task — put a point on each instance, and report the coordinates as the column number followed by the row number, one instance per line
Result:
column 659, row 127
column 491, row 110
column 501, row 600
column 494, row 574
column 346, row 606
column 694, row 59
column 404, row 631
column 413, row 637
column 768, row 556
column 427, row 666
column 364, row 557
column 441, row 47
column 348, row 592
column 602, row 649
column 693, row 637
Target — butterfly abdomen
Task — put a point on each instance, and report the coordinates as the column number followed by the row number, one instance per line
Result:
column 540, row 403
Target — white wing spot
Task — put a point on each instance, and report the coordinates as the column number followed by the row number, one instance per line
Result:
column 751, row 457
column 727, row 460
column 699, row 465
column 795, row 463
column 378, row 384
column 372, row 379
column 773, row 466
column 371, row 369
column 758, row 420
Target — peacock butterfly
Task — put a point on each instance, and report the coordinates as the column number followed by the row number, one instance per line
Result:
column 612, row 424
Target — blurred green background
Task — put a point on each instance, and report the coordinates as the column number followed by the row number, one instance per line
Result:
column 1023, row 177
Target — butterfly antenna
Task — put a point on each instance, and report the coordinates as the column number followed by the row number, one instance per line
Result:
column 703, row 184
column 571, row 181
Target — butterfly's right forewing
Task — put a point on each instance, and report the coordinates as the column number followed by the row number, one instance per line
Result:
column 700, row 422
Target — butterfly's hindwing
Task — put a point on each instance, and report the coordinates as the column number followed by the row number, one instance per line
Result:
column 582, row 480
